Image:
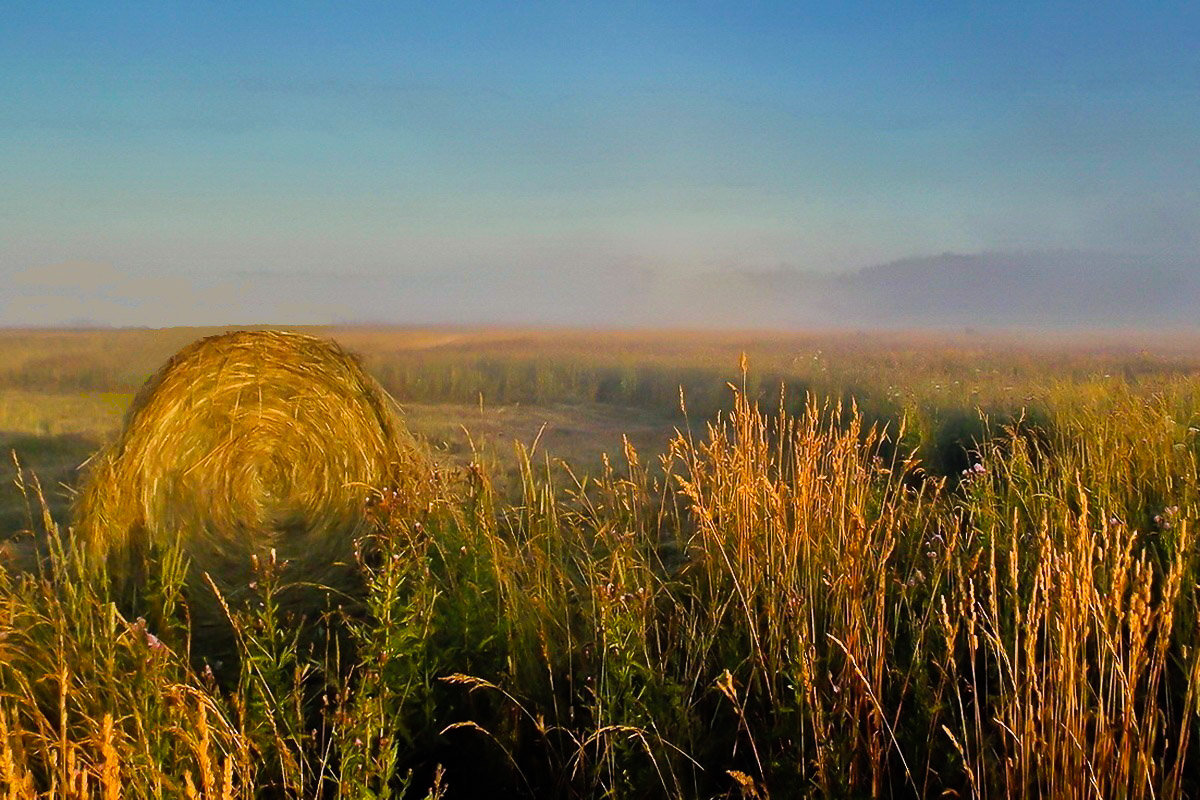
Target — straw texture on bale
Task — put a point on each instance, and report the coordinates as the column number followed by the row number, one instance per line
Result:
column 242, row 444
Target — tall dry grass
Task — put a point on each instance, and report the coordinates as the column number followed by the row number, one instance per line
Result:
column 788, row 604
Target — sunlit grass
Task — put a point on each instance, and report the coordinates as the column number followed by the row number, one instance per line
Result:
column 787, row 602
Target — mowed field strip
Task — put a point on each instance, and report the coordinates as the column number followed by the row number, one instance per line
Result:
column 53, row 434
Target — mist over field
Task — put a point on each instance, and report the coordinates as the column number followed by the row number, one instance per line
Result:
column 1048, row 289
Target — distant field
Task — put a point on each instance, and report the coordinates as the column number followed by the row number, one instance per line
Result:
column 62, row 393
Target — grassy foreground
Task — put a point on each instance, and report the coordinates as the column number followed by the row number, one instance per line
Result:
column 785, row 605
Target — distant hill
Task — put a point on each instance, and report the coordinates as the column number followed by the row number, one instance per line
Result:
column 1051, row 289
column 1058, row 289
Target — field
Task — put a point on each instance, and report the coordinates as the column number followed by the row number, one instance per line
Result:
column 656, row 564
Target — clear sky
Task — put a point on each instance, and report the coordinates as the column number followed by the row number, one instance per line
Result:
column 490, row 140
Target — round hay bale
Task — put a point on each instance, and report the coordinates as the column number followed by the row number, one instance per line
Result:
column 244, row 444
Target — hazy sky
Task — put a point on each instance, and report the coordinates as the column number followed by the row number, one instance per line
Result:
column 492, row 141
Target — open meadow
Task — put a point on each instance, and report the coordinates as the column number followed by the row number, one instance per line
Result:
column 651, row 564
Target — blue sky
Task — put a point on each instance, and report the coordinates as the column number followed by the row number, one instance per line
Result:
column 493, row 140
